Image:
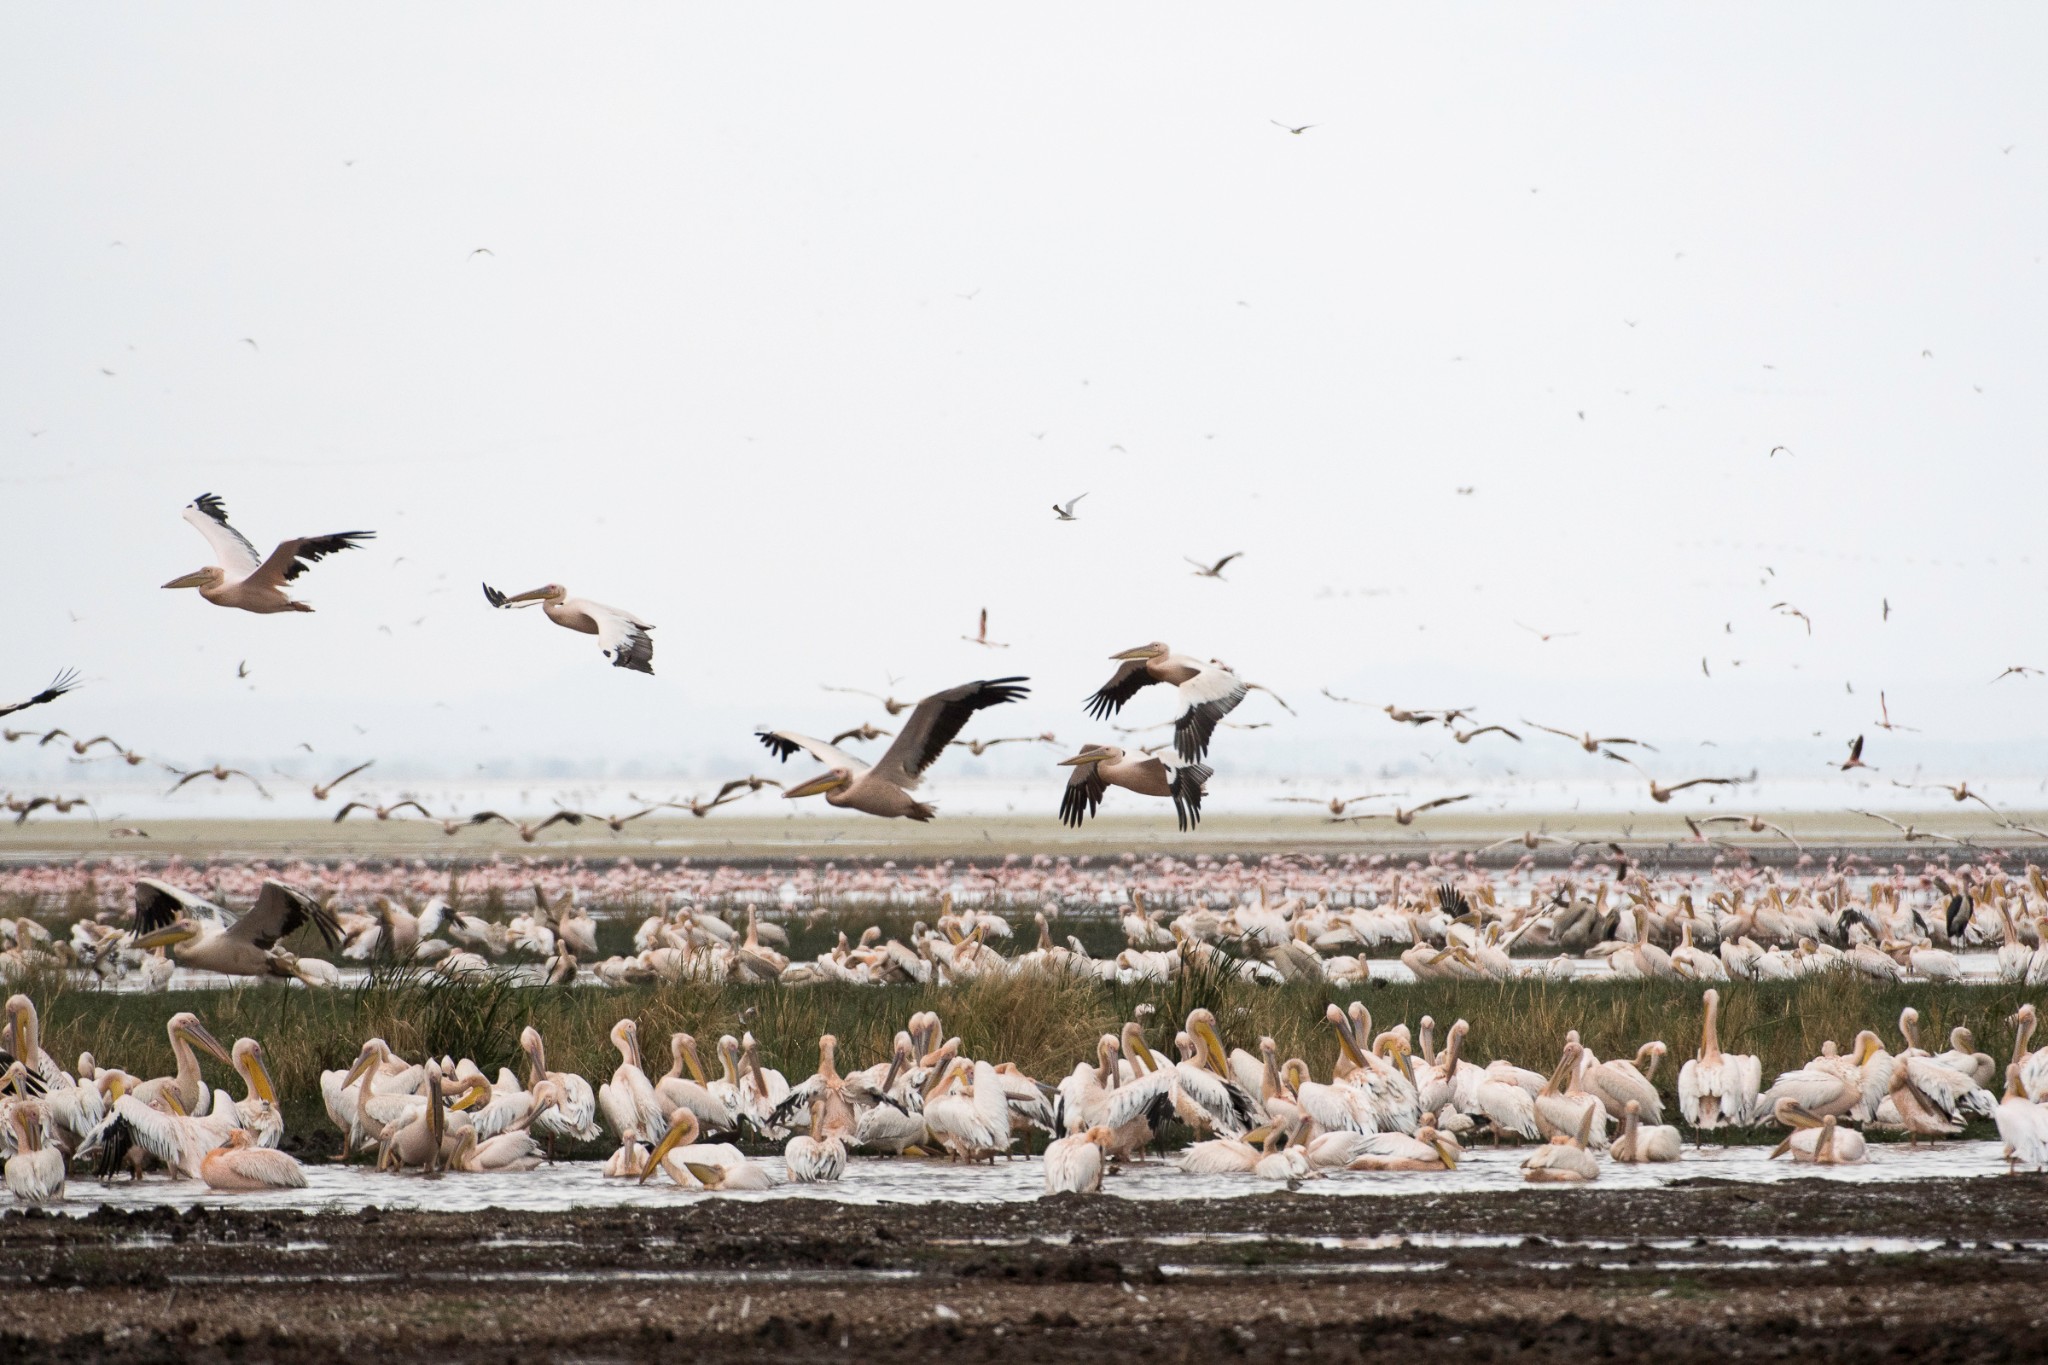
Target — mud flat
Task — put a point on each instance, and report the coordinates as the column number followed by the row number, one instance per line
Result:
column 1703, row 1269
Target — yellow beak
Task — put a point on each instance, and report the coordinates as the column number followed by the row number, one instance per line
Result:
column 817, row 786
column 198, row 578
column 168, row 936
column 198, row 1034
column 1085, row 756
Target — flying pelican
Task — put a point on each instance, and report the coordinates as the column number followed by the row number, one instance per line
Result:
column 622, row 635
column 1208, row 692
column 1585, row 740
column 218, row 773
column 321, row 790
column 1098, row 767
column 528, row 830
column 381, row 812
column 885, row 789
column 239, row 1164
column 168, row 918
column 63, row 683
column 245, row 579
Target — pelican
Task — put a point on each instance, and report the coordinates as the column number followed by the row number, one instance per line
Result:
column 691, row 1092
column 1073, row 1165
column 1816, row 1139
column 35, row 1172
column 1618, row 1083
column 1640, row 1142
column 702, row 1165
column 2022, row 1122
column 969, row 1118
column 1831, row 1085
column 573, row 1115
column 27, row 1027
column 179, row 1140
column 1717, row 1091
column 885, row 789
column 186, row 1087
column 1208, row 693
column 240, row 1164
column 1430, row 1149
column 819, row 1154
column 1565, row 1160
column 258, row 1113
column 628, row 1099
column 168, row 918
column 622, row 635
column 1098, row 767
column 245, row 579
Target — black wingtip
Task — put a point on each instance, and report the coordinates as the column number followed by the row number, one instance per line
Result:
column 493, row 596
column 776, row 744
column 212, row 507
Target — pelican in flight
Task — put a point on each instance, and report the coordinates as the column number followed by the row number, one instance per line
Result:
column 1209, row 692
column 244, row 578
column 202, row 936
column 1098, row 767
column 885, row 789
column 63, row 683
column 622, row 635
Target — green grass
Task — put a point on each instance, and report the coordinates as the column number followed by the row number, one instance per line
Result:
column 1044, row 1024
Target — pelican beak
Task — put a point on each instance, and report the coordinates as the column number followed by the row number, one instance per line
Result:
column 669, row 1142
column 690, row 1059
column 817, row 786
column 259, row 1078
column 537, row 595
column 196, row 1031
column 476, row 1092
column 198, row 578
column 180, row 931
column 1141, row 652
column 1091, row 754
column 710, row 1177
column 1448, row 1150
column 170, row 1097
column 355, row 1073
column 1257, row 1136
column 1214, row 1047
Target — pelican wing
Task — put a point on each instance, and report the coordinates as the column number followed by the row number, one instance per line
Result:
column 622, row 635
column 293, row 557
column 158, row 903
column 1131, row 677
column 279, row 910
column 936, row 721
column 209, row 516
column 783, row 743
column 1083, row 796
column 1951, row 1092
column 1211, row 694
column 1189, row 783
column 1229, row 1108
column 63, row 683
column 1150, row 1097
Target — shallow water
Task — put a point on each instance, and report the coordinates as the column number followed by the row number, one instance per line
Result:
column 877, row 1181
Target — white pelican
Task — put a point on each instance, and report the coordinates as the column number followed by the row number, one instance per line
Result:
column 702, row 1165
column 2022, row 1122
column 180, row 1141
column 240, row 1164
column 1430, row 1149
column 2033, row 1064
column 1816, row 1139
column 244, row 578
column 679, row 1091
column 628, row 1099
column 885, row 789
column 1953, row 1090
column 168, row 918
column 258, row 1111
column 419, row 1139
column 1098, row 767
column 819, row 1154
column 1618, row 1082
column 1717, row 1090
column 1643, row 1142
column 1073, row 1164
column 1208, row 693
column 187, row 1085
column 970, row 1119
column 1833, row 1085
column 573, row 1115
column 1564, row 1160
column 1562, row 1109
column 622, row 635
column 1225, row 1156
column 824, row 1095
column 26, row 1027
column 35, row 1171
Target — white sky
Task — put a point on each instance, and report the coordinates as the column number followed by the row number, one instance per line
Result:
column 799, row 318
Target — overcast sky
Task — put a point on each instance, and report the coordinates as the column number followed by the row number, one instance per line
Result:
column 795, row 320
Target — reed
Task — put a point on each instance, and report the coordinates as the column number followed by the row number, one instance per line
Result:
column 1045, row 1024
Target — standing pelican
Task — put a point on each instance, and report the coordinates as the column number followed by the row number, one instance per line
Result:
column 1716, row 1090
column 244, row 578
column 214, row 942
column 628, row 1100
column 258, row 1112
column 573, row 1115
column 819, row 1154
column 2022, row 1122
column 1208, row 693
column 187, row 1087
column 35, row 1171
column 1098, row 767
column 885, row 789
column 622, row 635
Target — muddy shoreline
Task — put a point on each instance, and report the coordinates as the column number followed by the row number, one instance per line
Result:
column 1555, row 1275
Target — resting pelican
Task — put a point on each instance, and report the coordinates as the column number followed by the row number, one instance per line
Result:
column 573, row 1115
column 971, row 1120
column 819, row 1154
column 628, row 1099
column 692, row 1091
column 168, row 918
column 244, row 578
column 239, row 1164
column 622, row 635
column 2022, row 1122
column 1430, row 1149
column 1208, row 692
column 1098, row 767
column 1716, row 1090
column 1641, row 1142
column 1565, row 1160
column 1073, row 1165
column 885, row 789
column 258, row 1112
column 26, row 1026
column 186, row 1087
column 1815, row 1139
column 702, row 1165
column 35, row 1172
column 1617, row 1083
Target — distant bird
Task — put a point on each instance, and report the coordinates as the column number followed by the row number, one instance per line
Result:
column 1958, row 792
column 1208, row 693
column 1662, row 794
column 1527, row 839
column 864, row 731
column 1467, row 736
column 1213, row 570
column 1787, row 609
column 1855, row 758
column 527, row 832
column 218, row 774
column 1586, row 740
column 1776, row 449
column 885, row 789
column 1908, row 832
column 245, row 580
column 1546, row 636
column 1296, row 129
column 62, row 683
column 978, row 747
column 621, row 635
column 1401, row 816
column 1467, row 490
column 1098, row 767
column 889, row 704
column 321, row 790
column 86, row 746
column 242, row 669
column 1885, row 721
column 980, row 636
column 1887, row 608
column 1755, row 824
column 1336, row 804
column 482, row 251
column 1065, row 511
column 381, row 812
column 2020, row 670
column 23, row 807
column 618, row 823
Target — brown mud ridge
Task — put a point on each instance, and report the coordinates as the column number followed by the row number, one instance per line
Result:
column 1576, row 1274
